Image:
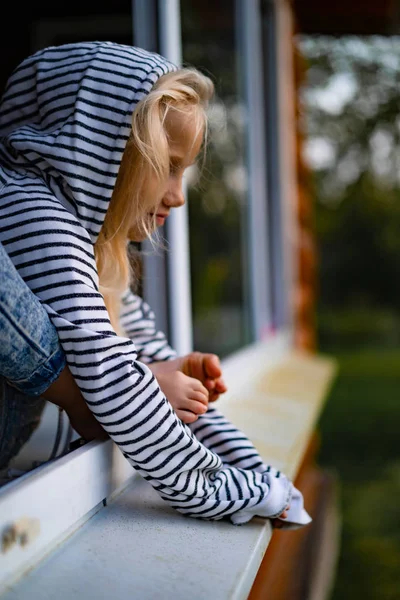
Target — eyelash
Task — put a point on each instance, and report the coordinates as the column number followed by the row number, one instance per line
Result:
column 173, row 169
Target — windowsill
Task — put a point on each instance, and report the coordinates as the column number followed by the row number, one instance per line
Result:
column 137, row 544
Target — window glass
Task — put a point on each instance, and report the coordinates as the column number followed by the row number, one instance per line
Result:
column 26, row 30
column 217, row 189
column 42, row 24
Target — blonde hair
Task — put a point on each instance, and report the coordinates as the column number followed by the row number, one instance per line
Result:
column 145, row 158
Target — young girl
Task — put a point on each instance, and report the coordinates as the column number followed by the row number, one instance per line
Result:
column 95, row 140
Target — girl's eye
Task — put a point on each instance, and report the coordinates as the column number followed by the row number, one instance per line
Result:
column 173, row 168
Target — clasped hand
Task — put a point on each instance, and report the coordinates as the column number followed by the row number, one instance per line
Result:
column 190, row 382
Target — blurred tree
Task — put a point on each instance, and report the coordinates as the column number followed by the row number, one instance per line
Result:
column 351, row 115
column 350, row 112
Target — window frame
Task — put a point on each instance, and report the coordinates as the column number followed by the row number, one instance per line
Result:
column 169, row 297
column 271, row 269
column 112, row 472
column 248, row 25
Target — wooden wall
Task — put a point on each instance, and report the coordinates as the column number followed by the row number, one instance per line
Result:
column 306, row 286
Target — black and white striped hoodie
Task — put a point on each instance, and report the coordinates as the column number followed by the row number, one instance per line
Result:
column 64, row 120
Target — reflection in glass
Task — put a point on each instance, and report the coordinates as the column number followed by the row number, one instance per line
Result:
column 217, row 189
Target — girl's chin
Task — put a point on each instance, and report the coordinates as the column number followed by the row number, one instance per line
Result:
column 135, row 237
column 138, row 235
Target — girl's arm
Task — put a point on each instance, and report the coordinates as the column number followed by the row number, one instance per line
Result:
column 187, row 395
column 212, row 429
column 54, row 255
column 137, row 320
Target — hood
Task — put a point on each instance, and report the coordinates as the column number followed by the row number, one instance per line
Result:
column 65, row 117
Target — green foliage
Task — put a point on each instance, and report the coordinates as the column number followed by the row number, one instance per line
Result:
column 359, row 429
column 349, row 327
column 359, row 246
column 351, row 116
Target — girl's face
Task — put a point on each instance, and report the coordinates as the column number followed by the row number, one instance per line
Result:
column 184, row 146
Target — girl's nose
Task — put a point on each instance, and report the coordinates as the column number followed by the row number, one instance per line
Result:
column 174, row 195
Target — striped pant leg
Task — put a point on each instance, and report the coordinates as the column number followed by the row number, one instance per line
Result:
column 234, row 448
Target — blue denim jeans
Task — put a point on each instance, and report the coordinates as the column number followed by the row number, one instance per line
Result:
column 30, row 359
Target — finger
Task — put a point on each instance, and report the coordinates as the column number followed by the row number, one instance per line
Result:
column 218, row 389
column 198, row 397
column 209, row 384
column 193, row 365
column 197, row 386
column 196, row 407
column 211, row 366
column 217, row 385
column 285, row 512
column 220, row 386
column 213, row 397
column 186, row 416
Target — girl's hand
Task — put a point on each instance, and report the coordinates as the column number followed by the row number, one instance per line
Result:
column 206, row 368
column 276, row 522
column 187, row 395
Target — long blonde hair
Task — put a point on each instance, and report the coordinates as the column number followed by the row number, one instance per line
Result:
column 145, row 158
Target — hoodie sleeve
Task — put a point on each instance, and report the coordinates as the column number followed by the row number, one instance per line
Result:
column 54, row 256
column 212, row 429
column 138, row 322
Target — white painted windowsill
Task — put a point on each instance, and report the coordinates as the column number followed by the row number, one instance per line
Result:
column 137, row 546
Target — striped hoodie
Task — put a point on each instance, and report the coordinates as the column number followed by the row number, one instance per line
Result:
column 64, row 121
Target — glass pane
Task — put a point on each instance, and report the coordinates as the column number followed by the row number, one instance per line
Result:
column 218, row 194
column 28, row 29
column 42, row 24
